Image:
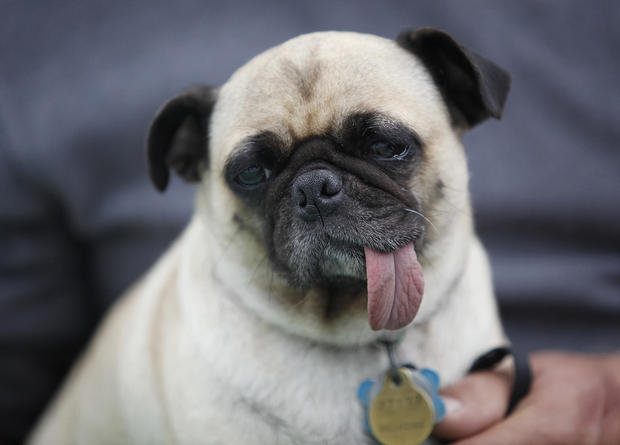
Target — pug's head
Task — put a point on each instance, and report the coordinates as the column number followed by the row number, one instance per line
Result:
column 331, row 174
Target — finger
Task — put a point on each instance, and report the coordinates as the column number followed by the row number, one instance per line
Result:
column 476, row 402
column 523, row 427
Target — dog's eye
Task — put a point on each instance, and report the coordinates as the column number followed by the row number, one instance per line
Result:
column 385, row 150
column 253, row 176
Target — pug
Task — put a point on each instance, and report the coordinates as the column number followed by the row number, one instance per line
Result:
column 332, row 213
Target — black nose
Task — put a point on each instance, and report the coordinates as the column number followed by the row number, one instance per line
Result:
column 316, row 194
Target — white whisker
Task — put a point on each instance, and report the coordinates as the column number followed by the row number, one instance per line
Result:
column 425, row 218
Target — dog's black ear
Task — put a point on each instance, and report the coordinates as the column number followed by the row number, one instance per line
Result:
column 177, row 137
column 473, row 87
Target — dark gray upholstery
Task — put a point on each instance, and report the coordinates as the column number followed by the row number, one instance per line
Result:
column 79, row 220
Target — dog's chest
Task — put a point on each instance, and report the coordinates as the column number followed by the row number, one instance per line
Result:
column 327, row 415
column 299, row 401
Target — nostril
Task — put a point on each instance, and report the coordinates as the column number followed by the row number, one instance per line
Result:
column 332, row 185
column 299, row 195
column 302, row 201
column 325, row 191
column 331, row 188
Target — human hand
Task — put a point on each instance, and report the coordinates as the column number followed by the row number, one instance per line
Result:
column 574, row 399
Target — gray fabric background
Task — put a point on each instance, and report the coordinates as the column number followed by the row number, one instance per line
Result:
column 79, row 220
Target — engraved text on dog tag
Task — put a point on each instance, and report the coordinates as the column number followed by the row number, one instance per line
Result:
column 401, row 413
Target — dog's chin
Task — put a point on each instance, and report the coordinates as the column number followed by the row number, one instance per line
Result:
column 328, row 265
column 324, row 262
column 342, row 264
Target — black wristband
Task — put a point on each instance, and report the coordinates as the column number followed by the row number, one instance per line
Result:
column 522, row 377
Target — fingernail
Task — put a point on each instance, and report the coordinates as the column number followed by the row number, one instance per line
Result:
column 452, row 405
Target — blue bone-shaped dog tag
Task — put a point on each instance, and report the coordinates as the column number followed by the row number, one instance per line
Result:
column 426, row 380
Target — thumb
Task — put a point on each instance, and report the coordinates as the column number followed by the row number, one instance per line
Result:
column 474, row 403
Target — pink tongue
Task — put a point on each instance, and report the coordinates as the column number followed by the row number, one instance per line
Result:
column 395, row 287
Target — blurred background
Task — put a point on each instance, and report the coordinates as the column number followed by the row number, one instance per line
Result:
column 79, row 220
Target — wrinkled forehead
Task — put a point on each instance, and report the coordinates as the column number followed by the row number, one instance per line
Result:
column 310, row 85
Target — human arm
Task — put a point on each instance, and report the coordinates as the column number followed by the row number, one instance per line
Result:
column 574, row 399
